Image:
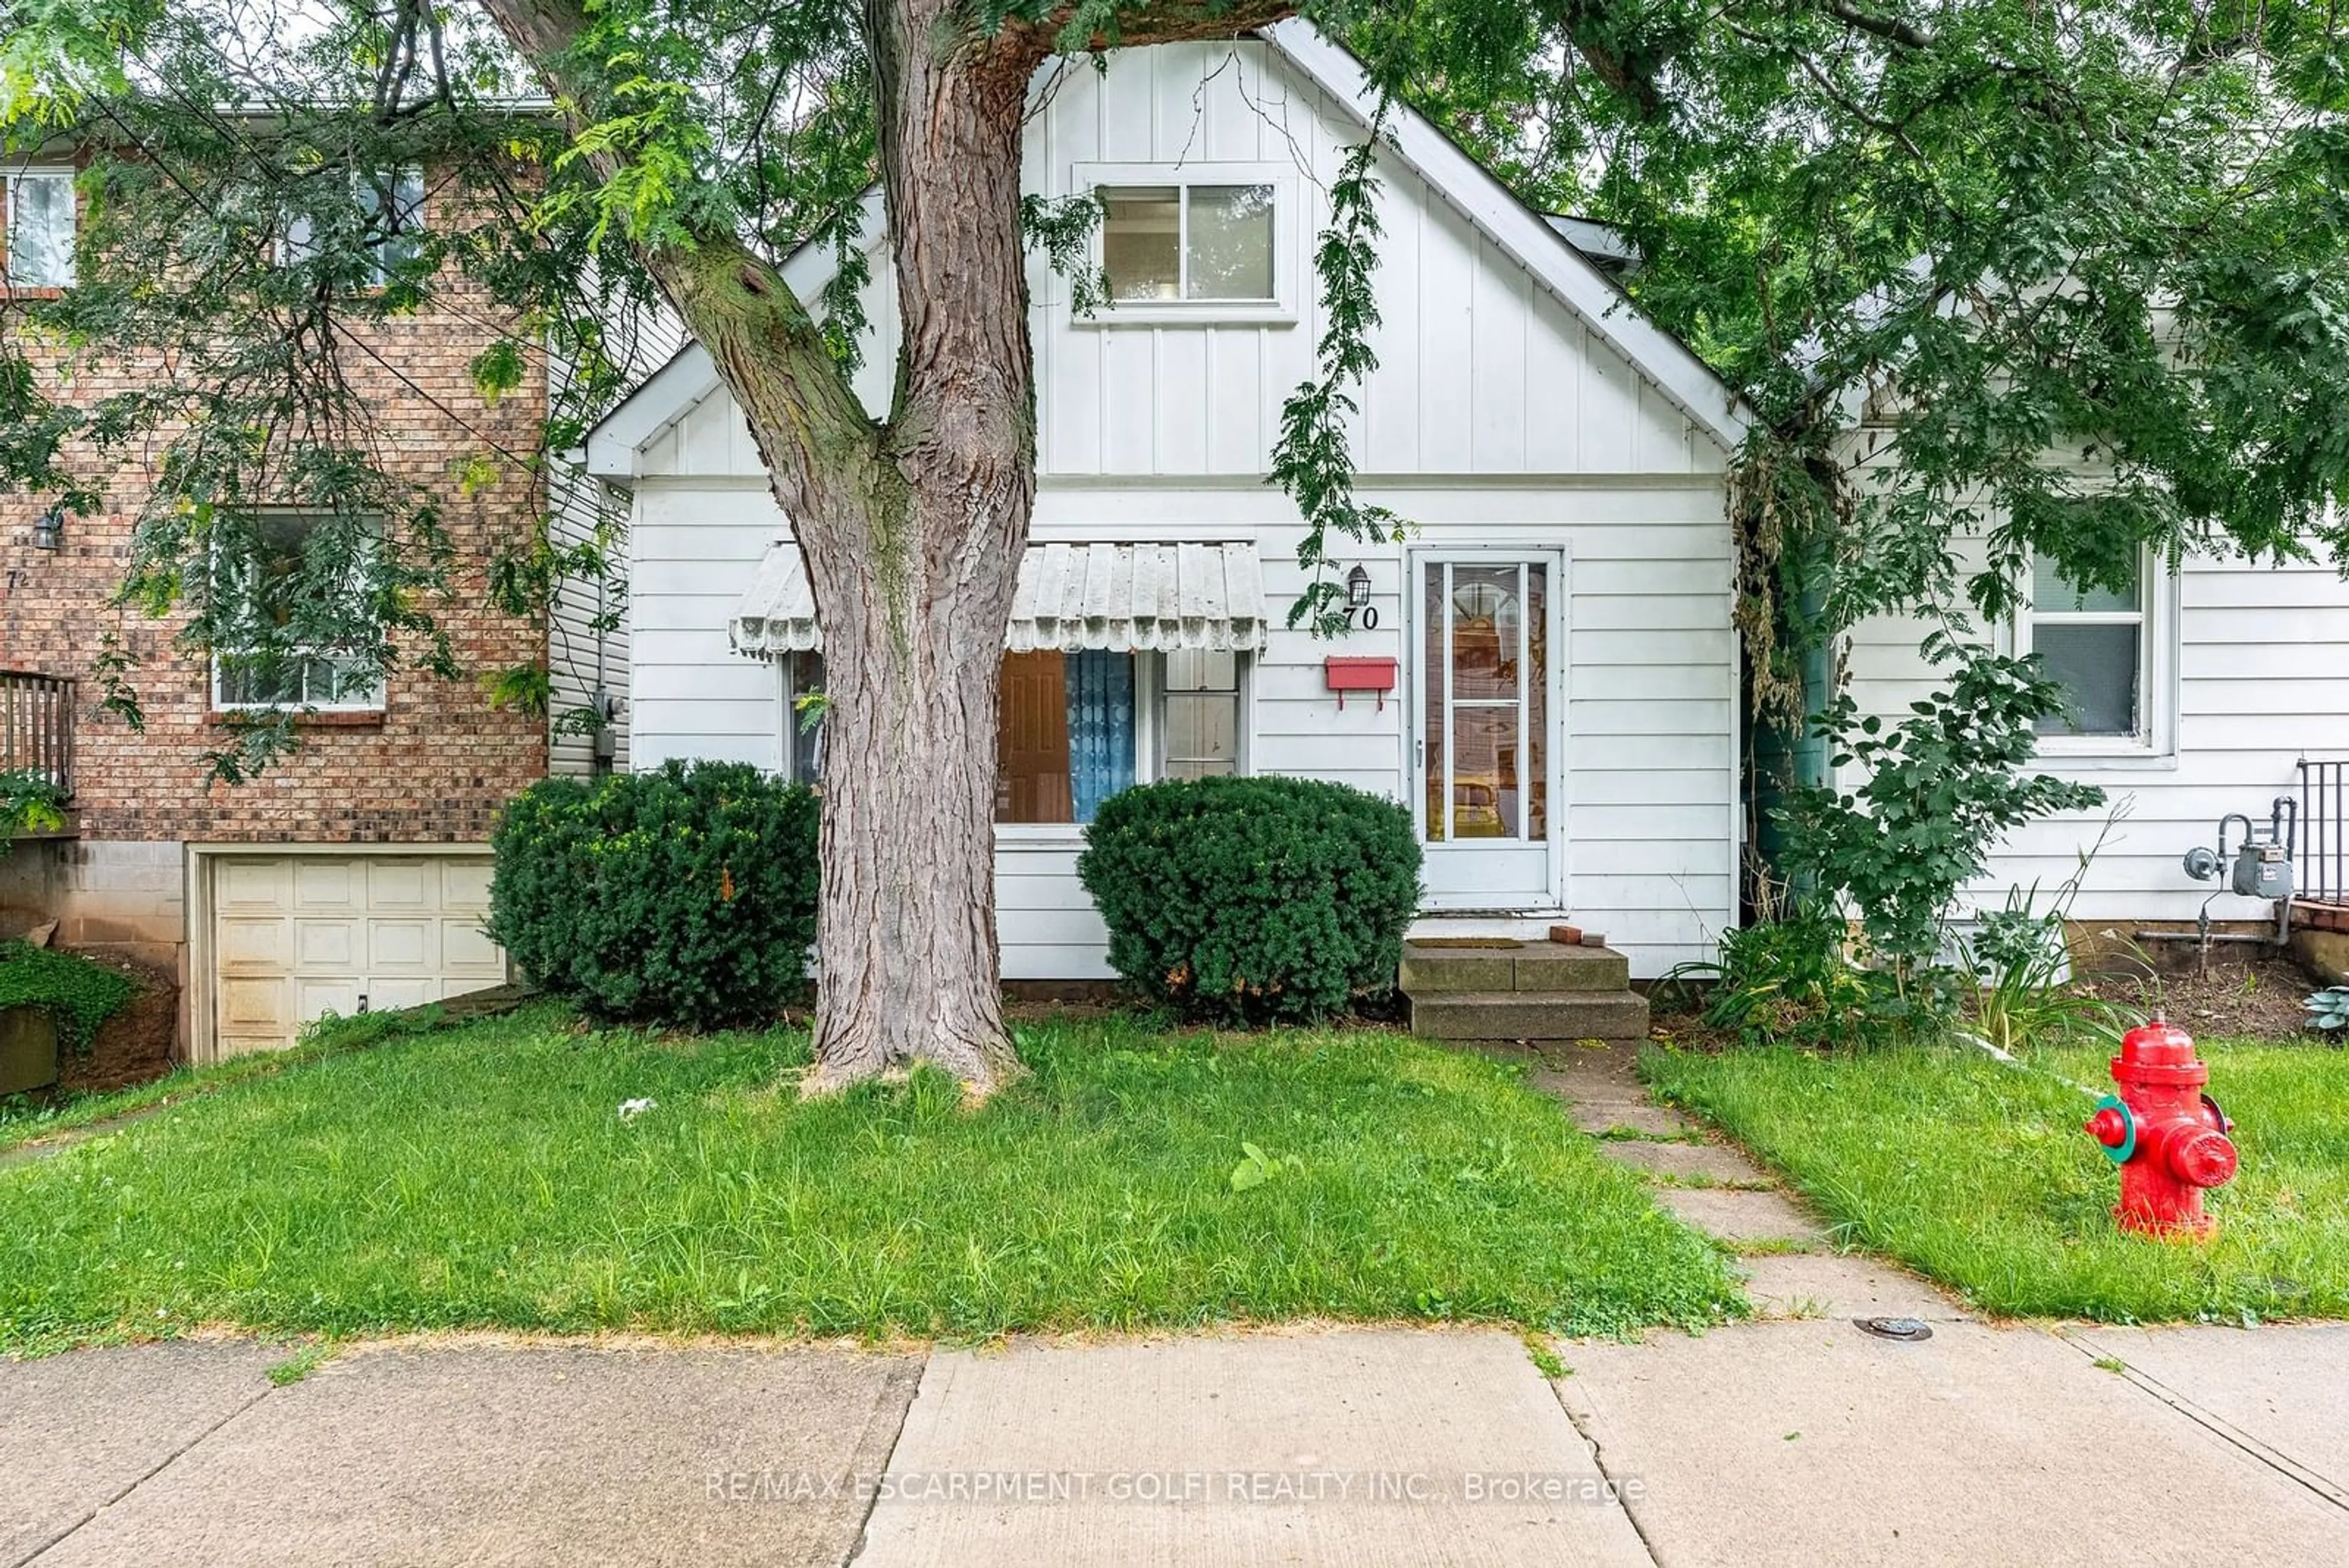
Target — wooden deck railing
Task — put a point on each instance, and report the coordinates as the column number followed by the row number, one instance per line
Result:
column 36, row 726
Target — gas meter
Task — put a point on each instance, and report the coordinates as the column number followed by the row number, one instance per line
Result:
column 2261, row 867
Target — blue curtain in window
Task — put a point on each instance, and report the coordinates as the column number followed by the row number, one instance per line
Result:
column 1101, row 727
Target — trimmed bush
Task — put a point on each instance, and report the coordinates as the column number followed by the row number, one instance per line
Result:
column 1247, row 899
column 685, row 896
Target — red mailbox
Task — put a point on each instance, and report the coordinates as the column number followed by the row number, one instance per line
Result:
column 1357, row 672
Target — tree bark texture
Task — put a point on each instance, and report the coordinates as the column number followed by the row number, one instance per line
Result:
column 912, row 535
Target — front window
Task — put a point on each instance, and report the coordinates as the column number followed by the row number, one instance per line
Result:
column 2092, row 640
column 1202, row 713
column 265, row 596
column 1211, row 243
column 803, row 716
column 1076, row 728
column 36, row 228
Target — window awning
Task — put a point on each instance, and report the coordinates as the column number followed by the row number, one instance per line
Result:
column 1070, row 596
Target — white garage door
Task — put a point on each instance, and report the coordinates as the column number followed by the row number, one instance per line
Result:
column 294, row 936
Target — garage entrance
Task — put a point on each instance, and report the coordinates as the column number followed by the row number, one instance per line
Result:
column 294, row 935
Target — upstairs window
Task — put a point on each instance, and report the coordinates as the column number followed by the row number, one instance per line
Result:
column 1205, row 242
column 265, row 662
column 2095, row 641
column 36, row 227
column 386, row 213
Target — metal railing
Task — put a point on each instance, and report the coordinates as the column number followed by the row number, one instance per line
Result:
column 2324, row 831
column 36, row 726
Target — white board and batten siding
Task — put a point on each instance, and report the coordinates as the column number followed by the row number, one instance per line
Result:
column 1501, row 418
column 2253, row 678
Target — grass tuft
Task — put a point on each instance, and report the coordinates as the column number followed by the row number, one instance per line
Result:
column 306, row 1358
column 484, row 1176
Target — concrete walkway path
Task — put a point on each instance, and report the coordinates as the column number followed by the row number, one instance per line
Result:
column 1799, row 1438
column 1788, row 1255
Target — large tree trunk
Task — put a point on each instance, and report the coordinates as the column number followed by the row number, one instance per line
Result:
column 906, row 935
column 913, row 571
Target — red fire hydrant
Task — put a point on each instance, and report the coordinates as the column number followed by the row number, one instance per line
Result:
column 2169, row 1137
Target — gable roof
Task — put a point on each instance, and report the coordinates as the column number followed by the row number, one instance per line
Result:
column 1525, row 235
column 1529, row 238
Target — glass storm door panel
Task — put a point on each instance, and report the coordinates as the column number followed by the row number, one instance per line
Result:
column 1485, row 711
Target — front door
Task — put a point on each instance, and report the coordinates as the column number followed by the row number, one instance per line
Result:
column 1486, row 700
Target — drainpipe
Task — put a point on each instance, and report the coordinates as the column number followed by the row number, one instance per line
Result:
column 1784, row 756
column 1811, row 751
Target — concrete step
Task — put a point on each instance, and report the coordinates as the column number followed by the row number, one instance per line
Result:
column 1530, row 1015
column 1546, row 966
column 1534, row 967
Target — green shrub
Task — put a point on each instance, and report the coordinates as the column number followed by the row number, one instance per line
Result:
column 687, row 896
column 30, row 802
column 80, row 994
column 1249, row 899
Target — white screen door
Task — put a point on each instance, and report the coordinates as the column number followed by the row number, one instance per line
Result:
column 1487, row 701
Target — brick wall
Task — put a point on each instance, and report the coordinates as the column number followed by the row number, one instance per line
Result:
column 436, row 763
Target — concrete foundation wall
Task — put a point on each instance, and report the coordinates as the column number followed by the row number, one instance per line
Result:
column 31, row 881
column 2119, row 947
column 2325, row 954
column 126, row 898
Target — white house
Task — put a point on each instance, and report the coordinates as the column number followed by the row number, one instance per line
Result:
column 1545, row 672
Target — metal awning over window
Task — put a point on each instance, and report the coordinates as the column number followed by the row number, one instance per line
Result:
column 1070, row 596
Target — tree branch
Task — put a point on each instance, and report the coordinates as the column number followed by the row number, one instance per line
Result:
column 1183, row 21
column 758, row 332
column 1892, row 28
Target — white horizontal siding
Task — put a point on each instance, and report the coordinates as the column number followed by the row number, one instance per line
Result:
column 581, row 660
column 2263, row 680
column 691, row 552
column 1047, row 925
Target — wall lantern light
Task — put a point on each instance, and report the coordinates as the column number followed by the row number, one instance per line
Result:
column 1358, row 599
column 49, row 529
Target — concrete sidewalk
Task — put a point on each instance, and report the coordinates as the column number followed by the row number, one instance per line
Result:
column 1803, row 1441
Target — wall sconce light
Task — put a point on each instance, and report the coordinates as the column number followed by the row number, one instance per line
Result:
column 49, row 529
column 1358, row 611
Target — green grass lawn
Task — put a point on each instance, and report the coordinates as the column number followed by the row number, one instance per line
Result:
column 483, row 1176
column 1979, row 1173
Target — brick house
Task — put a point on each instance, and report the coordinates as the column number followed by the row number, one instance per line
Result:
column 352, row 875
